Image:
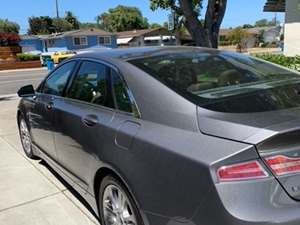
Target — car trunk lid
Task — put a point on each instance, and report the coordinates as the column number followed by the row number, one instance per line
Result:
column 274, row 133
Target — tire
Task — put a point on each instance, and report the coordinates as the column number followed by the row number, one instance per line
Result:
column 110, row 207
column 25, row 137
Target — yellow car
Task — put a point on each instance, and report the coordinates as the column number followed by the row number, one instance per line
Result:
column 58, row 57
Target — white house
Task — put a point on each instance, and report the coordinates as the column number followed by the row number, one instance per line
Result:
column 292, row 23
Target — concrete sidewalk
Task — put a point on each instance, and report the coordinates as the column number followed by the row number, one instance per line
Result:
column 30, row 192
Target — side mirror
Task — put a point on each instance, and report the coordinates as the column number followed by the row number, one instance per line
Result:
column 26, row 91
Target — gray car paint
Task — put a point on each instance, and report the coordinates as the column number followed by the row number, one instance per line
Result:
column 168, row 156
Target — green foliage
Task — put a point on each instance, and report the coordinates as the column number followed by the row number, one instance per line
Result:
column 247, row 26
column 238, row 36
column 88, row 25
column 72, row 19
column 40, row 25
column 122, row 18
column 61, row 25
column 7, row 26
column 48, row 25
column 266, row 23
column 289, row 62
column 155, row 25
column 27, row 57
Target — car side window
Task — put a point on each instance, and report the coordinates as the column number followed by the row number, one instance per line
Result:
column 120, row 93
column 57, row 81
column 91, row 85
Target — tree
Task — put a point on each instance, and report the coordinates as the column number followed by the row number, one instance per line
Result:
column 61, row 25
column 122, row 18
column 9, row 39
column 40, row 25
column 239, row 37
column 204, row 32
column 89, row 26
column 72, row 19
column 155, row 25
column 262, row 23
column 7, row 26
column 246, row 26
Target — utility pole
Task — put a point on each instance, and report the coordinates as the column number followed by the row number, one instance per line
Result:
column 57, row 13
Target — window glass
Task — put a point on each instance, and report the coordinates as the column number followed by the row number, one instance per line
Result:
column 90, row 85
column 121, row 96
column 104, row 40
column 224, row 81
column 57, row 81
column 80, row 41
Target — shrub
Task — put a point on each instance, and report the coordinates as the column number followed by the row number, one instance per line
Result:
column 289, row 62
column 27, row 57
column 9, row 39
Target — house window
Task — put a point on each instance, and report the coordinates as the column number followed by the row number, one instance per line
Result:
column 50, row 43
column 105, row 40
column 77, row 41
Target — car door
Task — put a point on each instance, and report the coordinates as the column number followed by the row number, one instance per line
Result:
column 81, row 119
column 42, row 113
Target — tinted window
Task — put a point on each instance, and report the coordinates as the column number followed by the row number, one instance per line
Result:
column 226, row 82
column 57, row 81
column 120, row 92
column 91, row 85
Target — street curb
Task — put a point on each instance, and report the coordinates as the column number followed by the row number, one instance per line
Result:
column 24, row 70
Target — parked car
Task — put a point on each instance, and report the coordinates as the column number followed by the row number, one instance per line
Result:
column 58, row 57
column 171, row 135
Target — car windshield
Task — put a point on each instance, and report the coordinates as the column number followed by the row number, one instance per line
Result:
column 224, row 81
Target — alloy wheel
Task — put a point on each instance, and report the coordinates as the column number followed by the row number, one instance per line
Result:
column 117, row 208
column 25, row 137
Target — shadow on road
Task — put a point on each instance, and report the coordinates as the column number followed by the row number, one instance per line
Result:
column 6, row 98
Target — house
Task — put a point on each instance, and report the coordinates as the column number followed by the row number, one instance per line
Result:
column 70, row 40
column 145, row 37
column 291, row 8
column 269, row 35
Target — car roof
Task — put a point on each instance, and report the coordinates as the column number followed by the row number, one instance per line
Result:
column 141, row 52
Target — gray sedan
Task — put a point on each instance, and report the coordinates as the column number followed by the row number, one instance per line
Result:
column 171, row 135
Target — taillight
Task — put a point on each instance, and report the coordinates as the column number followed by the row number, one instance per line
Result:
column 282, row 165
column 242, row 171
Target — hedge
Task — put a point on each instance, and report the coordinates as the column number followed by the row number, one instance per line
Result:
column 289, row 62
column 27, row 57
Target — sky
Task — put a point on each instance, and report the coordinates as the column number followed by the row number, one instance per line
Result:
column 238, row 12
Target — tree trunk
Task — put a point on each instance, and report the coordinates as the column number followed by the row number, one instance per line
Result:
column 206, row 35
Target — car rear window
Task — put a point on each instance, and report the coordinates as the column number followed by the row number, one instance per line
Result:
column 225, row 81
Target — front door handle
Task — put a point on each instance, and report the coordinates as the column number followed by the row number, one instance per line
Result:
column 90, row 120
column 49, row 106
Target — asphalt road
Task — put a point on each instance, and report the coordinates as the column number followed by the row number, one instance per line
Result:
column 11, row 81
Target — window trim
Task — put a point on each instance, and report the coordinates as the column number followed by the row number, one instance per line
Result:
column 85, row 37
column 40, row 88
column 136, row 112
column 110, row 40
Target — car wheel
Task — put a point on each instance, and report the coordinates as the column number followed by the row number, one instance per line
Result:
column 116, row 205
column 25, row 138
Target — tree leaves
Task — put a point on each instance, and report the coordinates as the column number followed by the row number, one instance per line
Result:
column 122, row 18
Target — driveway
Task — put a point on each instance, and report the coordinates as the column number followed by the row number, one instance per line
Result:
column 30, row 192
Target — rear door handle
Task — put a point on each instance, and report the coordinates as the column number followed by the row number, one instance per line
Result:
column 90, row 120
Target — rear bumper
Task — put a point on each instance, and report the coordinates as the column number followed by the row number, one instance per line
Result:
column 263, row 202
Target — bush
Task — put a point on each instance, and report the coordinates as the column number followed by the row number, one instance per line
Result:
column 27, row 57
column 9, row 39
column 289, row 62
